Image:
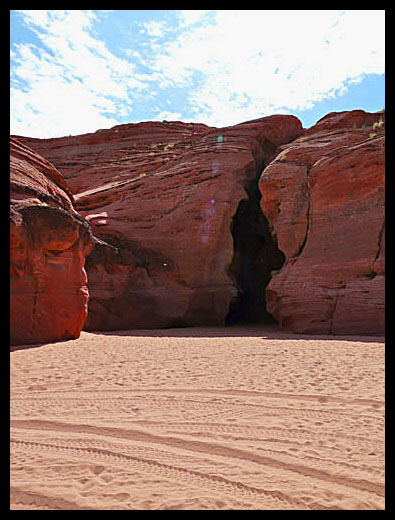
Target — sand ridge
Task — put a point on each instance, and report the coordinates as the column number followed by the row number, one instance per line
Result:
column 198, row 418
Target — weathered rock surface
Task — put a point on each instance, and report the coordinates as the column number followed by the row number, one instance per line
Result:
column 323, row 196
column 180, row 238
column 48, row 245
column 349, row 119
column 35, row 180
column 163, row 195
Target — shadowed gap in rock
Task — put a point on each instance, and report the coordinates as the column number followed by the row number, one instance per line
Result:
column 256, row 255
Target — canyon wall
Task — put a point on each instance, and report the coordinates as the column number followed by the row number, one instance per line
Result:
column 183, row 234
column 48, row 245
column 164, row 194
column 323, row 196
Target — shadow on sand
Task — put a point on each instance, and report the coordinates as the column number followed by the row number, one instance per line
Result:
column 230, row 331
column 237, row 331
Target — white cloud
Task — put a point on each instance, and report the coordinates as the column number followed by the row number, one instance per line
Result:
column 154, row 28
column 168, row 116
column 252, row 63
column 226, row 66
column 76, row 86
column 190, row 17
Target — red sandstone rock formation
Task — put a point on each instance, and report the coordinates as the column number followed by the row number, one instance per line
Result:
column 163, row 199
column 34, row 180
column 48, row 245
column 323, row 196
column 349, row 119
column 163, row 194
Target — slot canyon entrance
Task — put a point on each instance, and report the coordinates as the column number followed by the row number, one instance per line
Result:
column 256, row 255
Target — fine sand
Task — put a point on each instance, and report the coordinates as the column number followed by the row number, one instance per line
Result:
column 198, row 418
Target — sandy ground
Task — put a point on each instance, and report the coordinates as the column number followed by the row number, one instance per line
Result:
column 229, row 418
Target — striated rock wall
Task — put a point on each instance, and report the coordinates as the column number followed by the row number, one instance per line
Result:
column 164, row 194
column 184, row 236
column 323, row 196
column 48, row 245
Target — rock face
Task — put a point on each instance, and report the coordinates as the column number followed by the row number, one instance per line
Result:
column 323, row 196
column 164, row 195
column 48, row 245
column 184, row 235
column 348, row 119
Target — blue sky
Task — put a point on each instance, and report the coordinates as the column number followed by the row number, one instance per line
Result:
column 74, row 72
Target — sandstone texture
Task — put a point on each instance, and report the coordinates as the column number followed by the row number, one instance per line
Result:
column 184, row 234
column 323, row 196
column 48, row 245
column 160, row 197
column 349, row 119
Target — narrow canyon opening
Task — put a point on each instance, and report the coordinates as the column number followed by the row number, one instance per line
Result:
column 256, row 256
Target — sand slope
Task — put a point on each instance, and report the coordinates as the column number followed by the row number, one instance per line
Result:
column 232, row 418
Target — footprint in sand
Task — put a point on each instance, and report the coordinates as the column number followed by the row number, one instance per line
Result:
column 98, row 469
column 122, row 496
column 37, row 388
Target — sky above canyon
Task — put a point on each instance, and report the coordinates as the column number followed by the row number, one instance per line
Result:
column 74, row 72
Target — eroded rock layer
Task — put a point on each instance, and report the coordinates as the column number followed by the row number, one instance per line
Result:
column 323, row 196
column 163, row 196
column 48, row 245
column 184, row 237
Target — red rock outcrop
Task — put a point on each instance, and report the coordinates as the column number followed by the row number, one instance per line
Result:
column 323, row 196
column 348, row 119
column 163, row 195
column 48, row 245
column 175, row 210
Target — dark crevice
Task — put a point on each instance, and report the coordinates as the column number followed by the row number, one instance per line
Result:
column 35, row 301
column 305, row 189
column 379, row 242
column 256, row 255
column 333, row 312
column 307, row 231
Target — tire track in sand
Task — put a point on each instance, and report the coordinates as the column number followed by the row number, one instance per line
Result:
column 33, row 498
column 214, row 408
column 203, row 447
column 193, row 477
